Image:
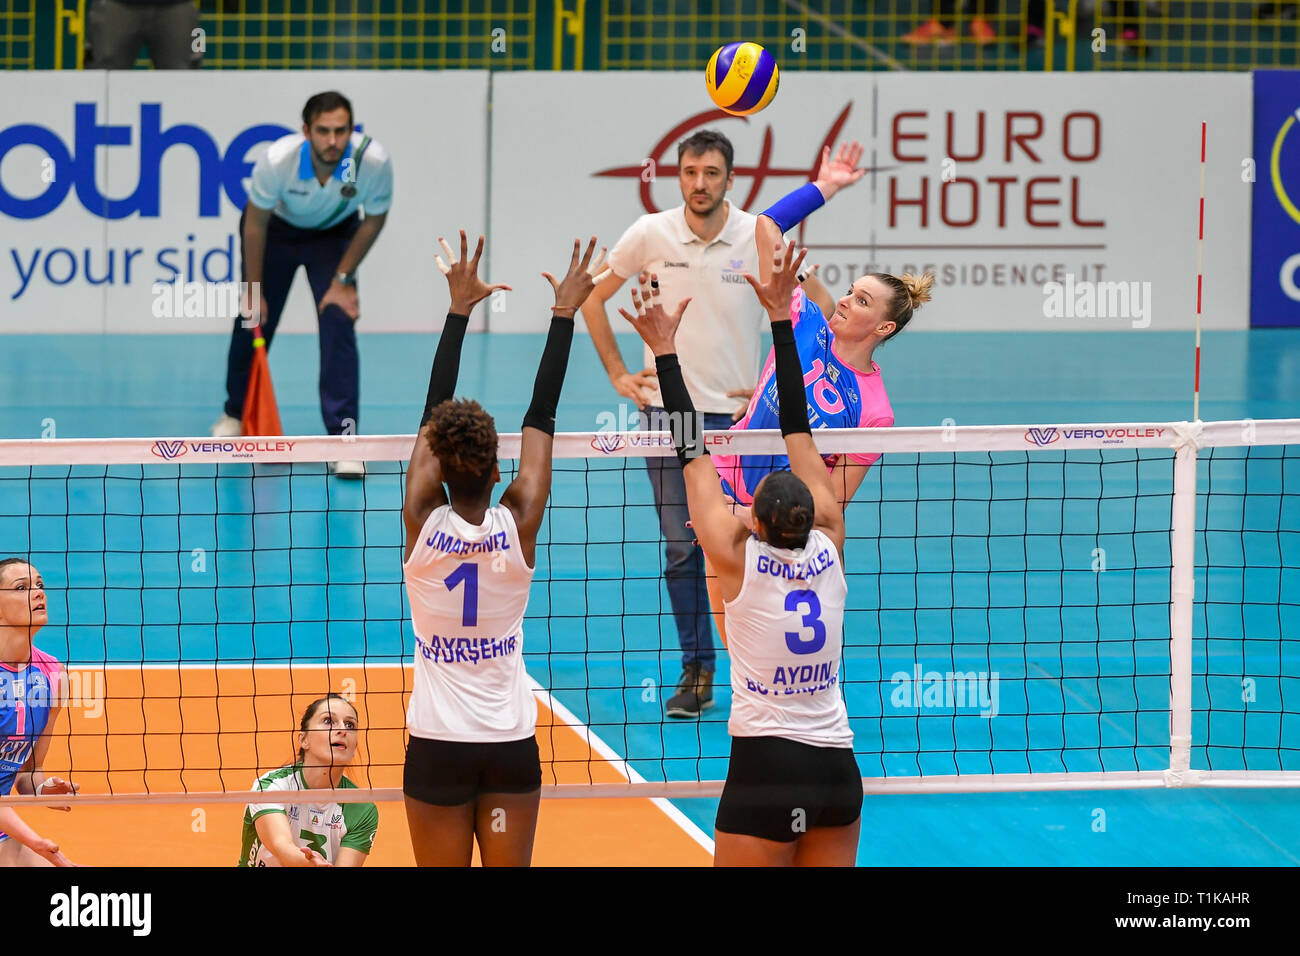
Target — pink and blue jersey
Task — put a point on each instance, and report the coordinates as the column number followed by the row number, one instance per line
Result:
column 839, row 396
column 27, row 695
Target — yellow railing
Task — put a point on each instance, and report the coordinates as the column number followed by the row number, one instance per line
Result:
column 571, row 24
column 1196, row 35
column 817, row 35
column 354, row 34
column 18, row 35
column 682, row 34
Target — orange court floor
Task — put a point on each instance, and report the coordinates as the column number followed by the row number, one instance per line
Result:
column 203, row 729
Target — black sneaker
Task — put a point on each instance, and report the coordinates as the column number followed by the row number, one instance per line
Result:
column 694, row 693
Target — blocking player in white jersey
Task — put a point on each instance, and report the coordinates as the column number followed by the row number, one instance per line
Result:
column 312, row 834
column 472, row 767
column 794, row 791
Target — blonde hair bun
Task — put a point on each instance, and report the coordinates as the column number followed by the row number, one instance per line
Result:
column 918, row 287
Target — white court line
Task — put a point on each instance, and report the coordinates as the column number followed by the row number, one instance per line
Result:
column 619, row 764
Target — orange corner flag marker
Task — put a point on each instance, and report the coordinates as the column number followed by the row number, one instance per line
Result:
column 261, row 415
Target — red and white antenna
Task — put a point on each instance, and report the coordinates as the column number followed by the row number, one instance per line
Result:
column 1200, row 264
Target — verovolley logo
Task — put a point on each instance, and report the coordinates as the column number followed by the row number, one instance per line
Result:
column 607, row 442
column 168, row 449
column 1107, row 436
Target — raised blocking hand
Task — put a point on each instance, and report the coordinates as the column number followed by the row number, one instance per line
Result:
column 467, row 289
column 576, row 286
column 656, row 326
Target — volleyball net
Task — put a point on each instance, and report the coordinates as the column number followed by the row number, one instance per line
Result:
column 1045, row 607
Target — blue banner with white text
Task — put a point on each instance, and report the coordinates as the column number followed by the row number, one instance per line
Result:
column 1275, row 226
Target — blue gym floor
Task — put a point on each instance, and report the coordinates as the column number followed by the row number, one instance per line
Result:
column 985, row 567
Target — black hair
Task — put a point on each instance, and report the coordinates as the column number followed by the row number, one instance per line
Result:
column 324, row 103
column 463, row 437
column 310, row 712
column 785, row 506
column 703, row 141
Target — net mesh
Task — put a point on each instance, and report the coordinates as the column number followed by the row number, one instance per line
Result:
column 1008, row 618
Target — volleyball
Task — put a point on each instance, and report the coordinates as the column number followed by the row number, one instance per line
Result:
column 741, row 78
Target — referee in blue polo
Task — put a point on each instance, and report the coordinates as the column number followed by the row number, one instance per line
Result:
column 305, row 208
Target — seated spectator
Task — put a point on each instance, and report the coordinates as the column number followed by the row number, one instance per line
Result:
column 117, row 29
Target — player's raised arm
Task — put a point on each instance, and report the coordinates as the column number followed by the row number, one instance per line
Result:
column 787, row 212
column 424, row 490
column 527, row 494
column 720, row 533
column 805, row 461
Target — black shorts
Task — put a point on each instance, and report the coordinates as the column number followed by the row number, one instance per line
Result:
column 778, row 789
column 448, row 774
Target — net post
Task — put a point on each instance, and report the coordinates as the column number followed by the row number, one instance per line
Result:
column 1182, row 594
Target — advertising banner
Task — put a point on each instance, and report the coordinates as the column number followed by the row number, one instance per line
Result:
column 1275, row 234
column 120, row 193
column 1041, row 202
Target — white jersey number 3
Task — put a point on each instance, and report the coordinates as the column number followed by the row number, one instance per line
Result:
column 796, row 601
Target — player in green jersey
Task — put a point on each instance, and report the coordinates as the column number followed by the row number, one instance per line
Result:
column 312, row 834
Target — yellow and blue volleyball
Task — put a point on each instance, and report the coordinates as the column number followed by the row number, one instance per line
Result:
column 741, row 78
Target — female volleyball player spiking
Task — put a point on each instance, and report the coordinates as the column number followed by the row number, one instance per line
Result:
column 312, row 834
column 472, row 766
column 29, row 709
column 836, row 339
column 793, row 794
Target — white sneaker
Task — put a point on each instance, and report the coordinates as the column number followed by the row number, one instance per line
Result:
column 227, row 427
column 348, row 469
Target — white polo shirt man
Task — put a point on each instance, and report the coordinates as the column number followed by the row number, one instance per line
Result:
column 720, row 338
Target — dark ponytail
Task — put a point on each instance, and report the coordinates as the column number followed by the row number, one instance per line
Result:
column 785, row 506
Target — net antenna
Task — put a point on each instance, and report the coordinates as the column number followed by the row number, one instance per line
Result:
column 1200, row 266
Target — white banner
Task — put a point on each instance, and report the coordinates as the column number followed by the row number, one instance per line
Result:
column 1061, row 202
column 1041, row 202
column 113, row 182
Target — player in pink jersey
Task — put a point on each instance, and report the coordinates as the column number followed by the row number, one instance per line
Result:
column 29, row 708
column 836, row 339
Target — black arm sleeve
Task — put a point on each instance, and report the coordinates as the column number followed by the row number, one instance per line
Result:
column 687, row 424
column 791, row 397
column 446, row 364
column 550, row 376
